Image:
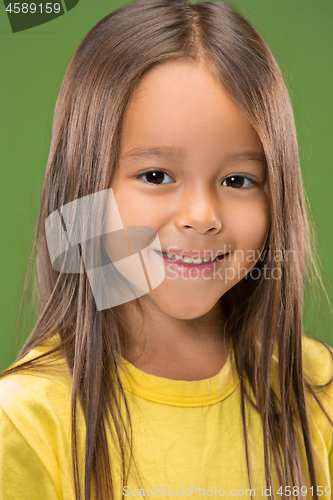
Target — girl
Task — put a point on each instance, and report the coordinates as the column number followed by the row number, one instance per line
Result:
column 206, row 384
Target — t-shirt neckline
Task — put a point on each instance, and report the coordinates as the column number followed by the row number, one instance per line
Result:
column 180, row 392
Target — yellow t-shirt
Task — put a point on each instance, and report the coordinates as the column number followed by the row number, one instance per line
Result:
column 187, row 435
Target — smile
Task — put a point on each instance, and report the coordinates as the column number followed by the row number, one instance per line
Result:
column 190, row 260
column 184, row 264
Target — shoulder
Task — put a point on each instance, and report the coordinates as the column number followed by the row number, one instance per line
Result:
column 37, row 402
column 35, row 431
column 317, row 361
column 318, row 373
column 317, row 364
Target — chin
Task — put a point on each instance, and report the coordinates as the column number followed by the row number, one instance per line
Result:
column 180, row 306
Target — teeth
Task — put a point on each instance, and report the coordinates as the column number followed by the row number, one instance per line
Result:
column 190, row 260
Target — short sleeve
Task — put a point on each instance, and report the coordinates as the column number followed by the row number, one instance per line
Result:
column 23, row 476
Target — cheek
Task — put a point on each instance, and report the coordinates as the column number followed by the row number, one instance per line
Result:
column 139, row 208
column 132, row 207
column 251, row 224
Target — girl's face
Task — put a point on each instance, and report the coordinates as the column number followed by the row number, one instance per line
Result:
column 191, row 166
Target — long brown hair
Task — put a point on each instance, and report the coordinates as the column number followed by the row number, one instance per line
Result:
column 261, row 314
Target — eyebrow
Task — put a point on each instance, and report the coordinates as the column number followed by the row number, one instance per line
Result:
column 154, row 152
column 172, row 152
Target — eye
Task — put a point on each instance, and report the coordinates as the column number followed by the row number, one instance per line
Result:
column 237, row 181
column 156, row 177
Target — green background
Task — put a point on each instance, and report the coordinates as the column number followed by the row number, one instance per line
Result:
column 32, row 65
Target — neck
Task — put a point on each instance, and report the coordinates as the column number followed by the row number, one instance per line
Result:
column 180, row 349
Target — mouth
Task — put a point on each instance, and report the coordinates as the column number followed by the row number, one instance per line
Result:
column 191, row 261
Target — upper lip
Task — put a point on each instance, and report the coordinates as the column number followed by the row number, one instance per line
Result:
column 195, row 253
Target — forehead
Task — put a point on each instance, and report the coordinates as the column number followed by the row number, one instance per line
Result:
column 183, row 105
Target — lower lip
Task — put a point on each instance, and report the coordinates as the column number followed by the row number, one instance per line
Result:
column 185, row 269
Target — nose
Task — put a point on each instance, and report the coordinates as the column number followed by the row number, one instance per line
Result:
column 199, row 212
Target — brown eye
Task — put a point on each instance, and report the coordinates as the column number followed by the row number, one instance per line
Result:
column 155, row 177
column 238, row 181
